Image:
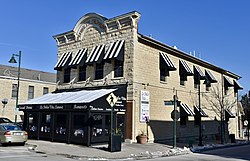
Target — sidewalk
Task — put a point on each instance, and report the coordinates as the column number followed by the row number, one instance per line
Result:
column 129, row 151
column 98, row 152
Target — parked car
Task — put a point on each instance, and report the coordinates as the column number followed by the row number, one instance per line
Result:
column 11, row 133
column 5, row 120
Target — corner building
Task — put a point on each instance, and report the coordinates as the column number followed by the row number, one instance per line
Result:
column 101, row 58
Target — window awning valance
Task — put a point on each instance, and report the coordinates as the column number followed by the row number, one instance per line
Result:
column 200, row 112
column 185, row 69
column 210, row 77
column 227, row 82
column 96, row 55
column 186, row 110
column 64, row 60
column 199, row 72
column 115, row 51
column 165, row 62
column 237, row 86
column 79, row 58
column 229, row 114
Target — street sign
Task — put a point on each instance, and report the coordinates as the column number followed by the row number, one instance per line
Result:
column 177, row 114
column 112, row 99
column 168, row 103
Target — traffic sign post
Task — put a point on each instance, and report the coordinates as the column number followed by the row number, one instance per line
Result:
column 112, row 99
column 175, row 120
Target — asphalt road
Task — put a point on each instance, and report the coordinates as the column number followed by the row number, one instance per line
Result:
column 239, row 153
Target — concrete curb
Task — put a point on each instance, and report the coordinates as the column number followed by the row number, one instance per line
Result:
column 216, row 146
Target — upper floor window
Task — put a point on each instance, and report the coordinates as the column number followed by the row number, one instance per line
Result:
column 184, row 71
column 82, row 73
column 198, row 76
column 45, row 90
column 14, row 91
column 166, row 65
column 99, row 71
column 118, row 68
column 163, row 75
column 31, row 92
column 66, row 75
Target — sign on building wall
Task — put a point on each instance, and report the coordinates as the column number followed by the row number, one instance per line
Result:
column 144, row 106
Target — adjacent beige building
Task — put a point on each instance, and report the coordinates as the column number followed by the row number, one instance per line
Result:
column 33, row 84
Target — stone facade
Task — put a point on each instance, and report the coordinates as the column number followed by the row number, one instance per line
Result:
column 142, row 73
column 37, row 79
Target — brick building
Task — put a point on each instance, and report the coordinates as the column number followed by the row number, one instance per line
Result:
column 33, row 84
column 105, row 56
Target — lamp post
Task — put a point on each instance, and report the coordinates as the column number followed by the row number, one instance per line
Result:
column 13, row 60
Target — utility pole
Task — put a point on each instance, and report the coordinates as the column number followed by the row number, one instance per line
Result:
column 175, row 120
column 199, row 99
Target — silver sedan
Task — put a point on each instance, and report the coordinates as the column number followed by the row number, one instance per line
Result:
column 11, row 133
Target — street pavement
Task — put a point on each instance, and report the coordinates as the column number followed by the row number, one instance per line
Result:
column 129, row 151
column 99, row 152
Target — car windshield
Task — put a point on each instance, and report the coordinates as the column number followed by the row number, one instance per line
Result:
column 11, row 127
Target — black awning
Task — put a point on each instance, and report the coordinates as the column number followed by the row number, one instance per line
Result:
column 229, row 114
column 79, row 58
column 200, row 112
column 186, row 110
column 165, row 62
column 115, row 51
column 237, row 86
column 63, row 61
column 96, row 55
column 185, row 69
column 199, row 72
column 227, row 82
column 210, row 77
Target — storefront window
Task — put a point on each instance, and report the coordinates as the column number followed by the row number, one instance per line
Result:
column 61, row 124
column 78, row 126
column 33, row 122
column 97, row 128
column 45, row 123
column 107, row 125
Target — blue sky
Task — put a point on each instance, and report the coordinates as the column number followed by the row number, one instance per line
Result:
column 218, row 31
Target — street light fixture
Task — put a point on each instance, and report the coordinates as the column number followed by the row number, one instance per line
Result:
column 13, row 60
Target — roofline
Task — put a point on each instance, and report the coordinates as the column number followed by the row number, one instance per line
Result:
column 184, row 55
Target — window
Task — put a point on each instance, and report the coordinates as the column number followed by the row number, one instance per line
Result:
column 31, row 92
column 67, row 75
column 183, row 78
column 166, row 65
column 183, row 120
column 164, row 74
column 99, row 71
column 118, row 68
column 45, row 90
column 14, row 91
column 82, row 73
column 197, row 120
